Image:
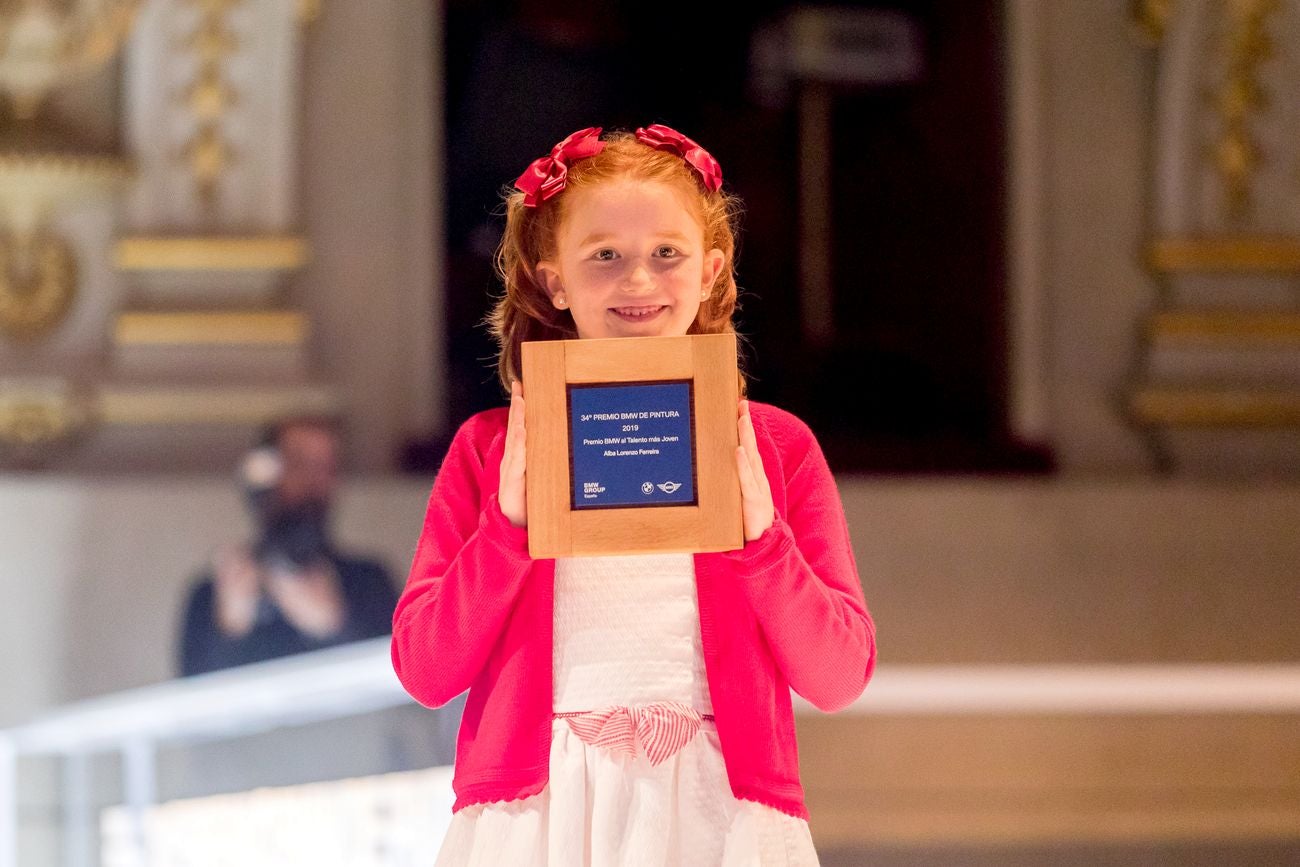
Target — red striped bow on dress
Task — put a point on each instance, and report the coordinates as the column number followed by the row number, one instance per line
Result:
column 661, row 727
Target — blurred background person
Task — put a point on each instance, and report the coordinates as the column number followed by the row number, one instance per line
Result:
column 290, row 590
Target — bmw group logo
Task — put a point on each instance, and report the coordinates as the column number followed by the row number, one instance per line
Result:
column 647, row 488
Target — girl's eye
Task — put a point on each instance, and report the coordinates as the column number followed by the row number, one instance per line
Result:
column 666, row 252
column 605, row 255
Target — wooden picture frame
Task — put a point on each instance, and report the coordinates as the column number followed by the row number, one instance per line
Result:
column 556, row 372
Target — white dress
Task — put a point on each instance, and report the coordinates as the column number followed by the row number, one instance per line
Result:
column 627, row 636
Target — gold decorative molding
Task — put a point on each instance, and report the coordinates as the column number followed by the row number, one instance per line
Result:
column 45, row 45
column 44, row 168
column 38, row 281
column 39, row 171
column 1151, row 18
column 209, row 96
column 212, row 253
column 34, row 415
column 211, row 328
column 211, row 405
column 209, row 154
column 34, row 182
column 1225, row 327
column 106, row 34
column 1277, row 254
column 1175, row 406
column 1237, row 155
column 212, row 42
column 308, row 12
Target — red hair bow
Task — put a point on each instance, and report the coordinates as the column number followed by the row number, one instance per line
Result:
column 546, row 176
column 666, row 138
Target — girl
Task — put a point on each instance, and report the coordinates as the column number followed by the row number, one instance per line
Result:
column 634, row 709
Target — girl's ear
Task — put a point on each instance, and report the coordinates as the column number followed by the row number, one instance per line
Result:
column 713, row 262
column 548, row 276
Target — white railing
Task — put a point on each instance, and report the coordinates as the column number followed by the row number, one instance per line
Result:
column 298, row 690
column 1082, row 689
column 358, row 678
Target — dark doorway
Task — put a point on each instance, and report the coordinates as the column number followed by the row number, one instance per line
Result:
column 912, row 375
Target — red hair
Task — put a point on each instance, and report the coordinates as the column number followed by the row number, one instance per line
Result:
column 525, row 311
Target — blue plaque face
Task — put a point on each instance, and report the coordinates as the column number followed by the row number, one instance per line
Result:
column 631, row 446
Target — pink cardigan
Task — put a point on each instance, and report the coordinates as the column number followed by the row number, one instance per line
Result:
column 785, row 611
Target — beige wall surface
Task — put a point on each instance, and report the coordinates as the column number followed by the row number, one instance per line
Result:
column 1098, row 81
column 372, row 152
column 1079, row 571
column 954, row 571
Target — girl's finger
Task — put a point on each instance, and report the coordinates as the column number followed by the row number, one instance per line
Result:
column 747, row 438
column 515, row 422
column 748, row 484
column 511, row 490
column 750, row 443
column 750, row 496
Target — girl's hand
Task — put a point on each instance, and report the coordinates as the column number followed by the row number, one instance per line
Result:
column 755, row 492
column 511, row 493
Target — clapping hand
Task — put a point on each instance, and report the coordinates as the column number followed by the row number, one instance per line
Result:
column 310, row 599
column 238, row 587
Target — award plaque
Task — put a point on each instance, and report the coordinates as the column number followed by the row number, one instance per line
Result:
column 631, row 445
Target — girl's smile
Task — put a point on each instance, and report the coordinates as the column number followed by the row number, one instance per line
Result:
column 639, row 314
column 630, row 260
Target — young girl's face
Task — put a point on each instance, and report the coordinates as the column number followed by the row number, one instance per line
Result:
column 630, row 260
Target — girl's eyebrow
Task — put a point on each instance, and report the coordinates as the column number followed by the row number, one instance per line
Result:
column 601, row 237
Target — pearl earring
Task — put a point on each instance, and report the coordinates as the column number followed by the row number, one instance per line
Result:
column 560, row 301
column 704, row 296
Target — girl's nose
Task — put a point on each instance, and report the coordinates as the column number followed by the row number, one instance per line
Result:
column 639, row 276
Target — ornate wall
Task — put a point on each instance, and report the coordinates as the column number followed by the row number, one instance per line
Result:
column 255, row 239
column 1217, row 385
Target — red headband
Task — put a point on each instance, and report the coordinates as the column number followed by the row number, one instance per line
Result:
column 666, row 138
column 547, row 175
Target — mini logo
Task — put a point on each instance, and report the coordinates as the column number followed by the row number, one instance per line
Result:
column 669, row 487
column 647, row 488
